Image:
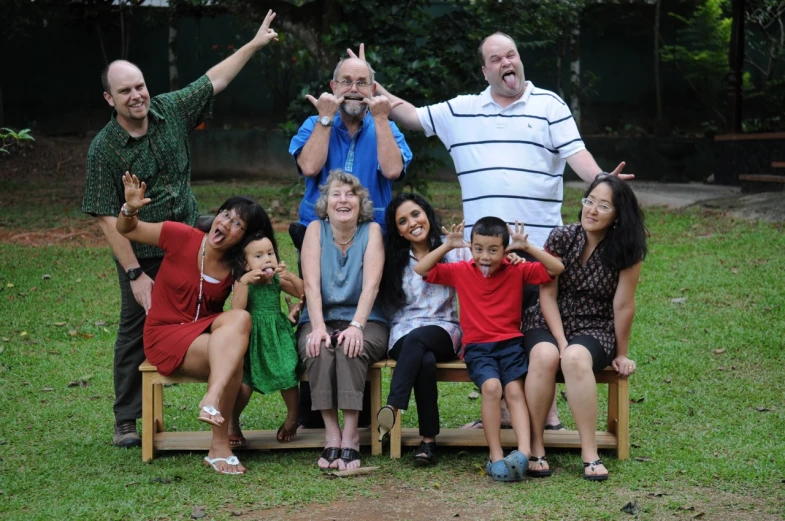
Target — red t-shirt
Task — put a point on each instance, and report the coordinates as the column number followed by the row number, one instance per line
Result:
column 490, row 308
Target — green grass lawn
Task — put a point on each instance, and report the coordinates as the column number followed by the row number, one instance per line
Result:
column 707, row 422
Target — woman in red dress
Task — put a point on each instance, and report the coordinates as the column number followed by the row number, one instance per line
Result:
column 186, row 331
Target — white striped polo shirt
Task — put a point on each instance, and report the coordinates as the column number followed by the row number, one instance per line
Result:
column 509, row 161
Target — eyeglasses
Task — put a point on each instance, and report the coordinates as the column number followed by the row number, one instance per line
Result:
column 348, row 83
column 602, row 208
column 226, row 216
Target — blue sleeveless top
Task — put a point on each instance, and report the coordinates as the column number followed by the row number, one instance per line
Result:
column 342, row 277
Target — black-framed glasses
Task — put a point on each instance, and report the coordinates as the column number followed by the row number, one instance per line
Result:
column 226, row 216
column 361, row 84
column 601, row 207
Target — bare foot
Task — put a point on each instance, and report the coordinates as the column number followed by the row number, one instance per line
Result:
column 330, row 455
column 350, row 459
column 224, row 462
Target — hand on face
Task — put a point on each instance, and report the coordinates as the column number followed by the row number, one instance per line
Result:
column 265, row 34
column 134, row 192
column 327, row 104
column 380, row 106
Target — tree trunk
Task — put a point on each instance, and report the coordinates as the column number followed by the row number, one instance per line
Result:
column 575, row 71
column 174, row 76
column 657, row 86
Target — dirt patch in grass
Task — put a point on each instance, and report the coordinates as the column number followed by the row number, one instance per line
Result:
column 389, row 503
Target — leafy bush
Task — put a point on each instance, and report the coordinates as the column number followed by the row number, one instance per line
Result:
column 9, row 138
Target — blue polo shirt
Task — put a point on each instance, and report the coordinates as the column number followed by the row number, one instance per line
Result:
column 356, row 156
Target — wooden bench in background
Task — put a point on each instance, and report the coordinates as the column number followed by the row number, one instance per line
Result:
column 155, row 437
column 617, row 435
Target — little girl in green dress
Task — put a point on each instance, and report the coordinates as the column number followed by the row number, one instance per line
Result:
column 271, row 362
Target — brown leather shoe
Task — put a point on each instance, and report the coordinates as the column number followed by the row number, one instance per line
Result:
column 125, row 434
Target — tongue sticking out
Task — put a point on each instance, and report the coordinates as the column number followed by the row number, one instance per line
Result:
column 269, row 272
column 486, row 271
column 509, row 80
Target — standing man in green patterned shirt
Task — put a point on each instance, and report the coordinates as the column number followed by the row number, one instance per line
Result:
column 148, row 138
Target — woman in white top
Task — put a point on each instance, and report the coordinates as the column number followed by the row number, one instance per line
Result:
column 424, row 326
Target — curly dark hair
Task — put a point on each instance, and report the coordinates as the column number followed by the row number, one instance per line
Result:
column 625, row 242
column 396, row 249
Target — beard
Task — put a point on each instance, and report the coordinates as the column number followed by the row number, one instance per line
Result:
column 353, row 109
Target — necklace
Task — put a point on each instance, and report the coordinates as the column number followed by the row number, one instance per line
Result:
column 347, row 242
column 201, row 280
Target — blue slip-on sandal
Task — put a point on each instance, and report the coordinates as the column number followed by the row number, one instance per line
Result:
column 517, row 463
column 498, row 470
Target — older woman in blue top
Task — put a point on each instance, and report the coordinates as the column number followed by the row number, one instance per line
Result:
column 342, row 330
column 424, row 325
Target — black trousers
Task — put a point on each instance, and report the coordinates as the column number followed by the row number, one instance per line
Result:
column 417, row 354
column 129, row 347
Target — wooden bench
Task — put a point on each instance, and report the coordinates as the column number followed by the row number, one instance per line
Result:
column 617, row 435
column 155, row 437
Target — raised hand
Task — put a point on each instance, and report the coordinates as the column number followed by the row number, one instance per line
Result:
column 520, row 240
column 380, row 106
column 134, row 192
column 326, row 105
column 514, row 259
column 265, row 34
column 294, row 309
column 623, row 177
column 361, row 52
column 454, row 236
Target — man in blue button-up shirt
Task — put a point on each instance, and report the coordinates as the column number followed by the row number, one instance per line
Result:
column 353, row 133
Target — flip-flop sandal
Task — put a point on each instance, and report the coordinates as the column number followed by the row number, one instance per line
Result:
column 425, row 454
column 558, row 427
column 476, row 424
column 231, row 460
column 542, row 473
column 386, row 419
column 212, row 411
column 330, row 454
column 592, row 465
column 285, row 436
column 349, row 455
column 238, row 442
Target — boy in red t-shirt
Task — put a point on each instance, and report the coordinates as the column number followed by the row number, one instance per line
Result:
column 490, row 291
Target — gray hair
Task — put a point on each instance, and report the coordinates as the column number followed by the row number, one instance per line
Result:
column 342, row 178
column 340, row 62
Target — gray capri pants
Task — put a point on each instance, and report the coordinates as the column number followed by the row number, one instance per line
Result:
column 337, row 381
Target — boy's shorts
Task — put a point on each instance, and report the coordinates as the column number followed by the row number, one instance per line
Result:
column 504, row 360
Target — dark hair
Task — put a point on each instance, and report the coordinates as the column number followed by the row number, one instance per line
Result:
column 492, row 227
column 255, row 218
column 396, row 249
column 238, row 256
column 625, row 241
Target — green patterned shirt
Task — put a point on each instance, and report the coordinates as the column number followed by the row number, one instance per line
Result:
column 161, row 158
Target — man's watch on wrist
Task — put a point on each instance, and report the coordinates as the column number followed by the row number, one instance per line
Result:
column 134, row 273
column 326, row 121
column 357, row 325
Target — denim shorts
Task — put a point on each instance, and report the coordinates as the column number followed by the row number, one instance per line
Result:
column 504, row 360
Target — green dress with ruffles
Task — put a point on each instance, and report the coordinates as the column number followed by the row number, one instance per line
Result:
column 271, row 362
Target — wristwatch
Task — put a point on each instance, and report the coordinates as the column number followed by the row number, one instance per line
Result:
column 134, row 273
column 326, row 121
column 356, row 324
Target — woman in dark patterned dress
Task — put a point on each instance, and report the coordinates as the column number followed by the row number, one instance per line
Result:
column 583, row 319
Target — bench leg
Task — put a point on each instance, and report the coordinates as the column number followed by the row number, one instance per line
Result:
column 613, row 407
column 623, row 424
column 376, row 404
column 148, row 417
column 395, row 437
column 158, row 407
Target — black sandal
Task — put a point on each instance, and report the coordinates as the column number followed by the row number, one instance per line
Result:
column 348, row 455
column 330, row 454
column 539, row 460
column 429, row 451
column 593, row 465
